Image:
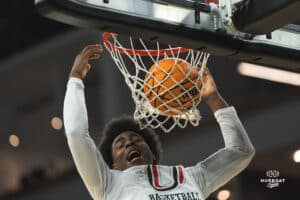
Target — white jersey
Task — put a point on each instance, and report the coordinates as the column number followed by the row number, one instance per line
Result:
column 153, row 182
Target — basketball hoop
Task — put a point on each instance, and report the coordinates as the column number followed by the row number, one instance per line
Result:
column 134, row 65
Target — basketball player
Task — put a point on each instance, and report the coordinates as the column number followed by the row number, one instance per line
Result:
column 126, row 168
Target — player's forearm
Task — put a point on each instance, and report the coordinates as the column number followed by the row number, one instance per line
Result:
column 233, row 131
column 229, row 161
column 75, row 114
column 216, row 102
column 222, row 166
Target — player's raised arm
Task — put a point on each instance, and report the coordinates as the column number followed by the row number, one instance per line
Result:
column 81, row 64
column 87, row 158
column 229, row 161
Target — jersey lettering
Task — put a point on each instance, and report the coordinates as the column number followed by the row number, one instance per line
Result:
column 176, row 196
column 178, row 178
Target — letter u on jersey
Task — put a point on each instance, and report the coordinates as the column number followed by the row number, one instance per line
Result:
column 178, row 178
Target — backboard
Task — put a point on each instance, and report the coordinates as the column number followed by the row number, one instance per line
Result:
column 255, row 31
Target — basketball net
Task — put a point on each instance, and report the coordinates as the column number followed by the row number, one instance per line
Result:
column 134, row 65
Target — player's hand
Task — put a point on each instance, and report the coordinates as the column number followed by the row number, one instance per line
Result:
column 210, row 88
column 210, row 93
column 81, row 64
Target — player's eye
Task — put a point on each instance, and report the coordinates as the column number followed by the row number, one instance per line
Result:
column 120, row 145
column 137, row 139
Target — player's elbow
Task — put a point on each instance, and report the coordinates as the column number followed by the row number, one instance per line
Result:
column 249, row 157
column 250, row 151
column 73, row 127
column 247, row 154
column 74, row 130
column 243, row 154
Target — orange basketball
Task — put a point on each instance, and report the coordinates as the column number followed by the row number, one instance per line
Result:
column 173, row 86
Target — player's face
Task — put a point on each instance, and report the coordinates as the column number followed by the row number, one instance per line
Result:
column 130, row 149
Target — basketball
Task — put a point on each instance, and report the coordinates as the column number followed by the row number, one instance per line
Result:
column 173, row 86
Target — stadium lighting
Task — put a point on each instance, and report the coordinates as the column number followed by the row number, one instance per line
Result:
column 56, row 123
column 14, row 140
column 276, row 75
column 297, row 156
column 223, row 195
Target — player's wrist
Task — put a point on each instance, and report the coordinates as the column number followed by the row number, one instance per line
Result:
column 215, row 101
column 211, row 97
column 75, row 74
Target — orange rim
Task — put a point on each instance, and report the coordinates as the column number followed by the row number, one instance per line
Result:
column 141, row 52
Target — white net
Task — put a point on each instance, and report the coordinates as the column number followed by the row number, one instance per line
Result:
column 166, row 84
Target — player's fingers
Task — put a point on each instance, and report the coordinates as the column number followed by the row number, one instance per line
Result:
column 206, row 71
column 86, row 70
column 92, row 51
column 91, row 47
column 87, row 67
column 94, row 57
column 207, row 74
column 95, row 54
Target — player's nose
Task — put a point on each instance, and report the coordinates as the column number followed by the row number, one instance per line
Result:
column 128, row 143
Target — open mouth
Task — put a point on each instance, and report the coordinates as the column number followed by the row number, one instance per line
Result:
column 133, row 155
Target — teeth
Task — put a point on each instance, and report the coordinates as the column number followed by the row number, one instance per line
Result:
column 133, row 155
column 134, row 159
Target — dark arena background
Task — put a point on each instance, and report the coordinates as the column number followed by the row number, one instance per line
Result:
column 36, row 56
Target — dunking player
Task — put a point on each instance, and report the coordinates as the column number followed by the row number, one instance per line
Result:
column 126, row 167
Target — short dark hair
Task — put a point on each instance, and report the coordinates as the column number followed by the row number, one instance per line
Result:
column 126, row 123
